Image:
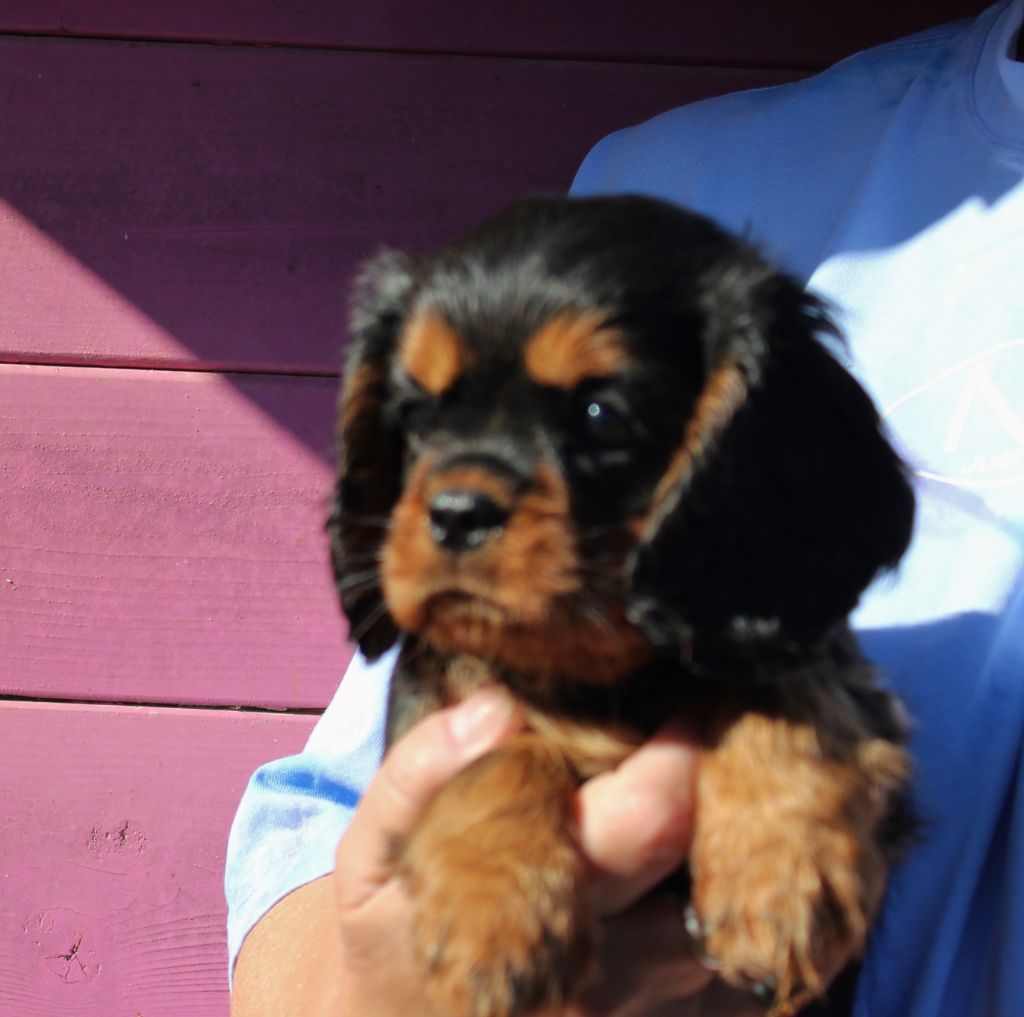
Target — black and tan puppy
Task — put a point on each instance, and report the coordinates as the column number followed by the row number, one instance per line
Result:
column 598, row 452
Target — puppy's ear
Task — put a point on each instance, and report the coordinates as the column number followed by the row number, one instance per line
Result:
column 370, row 450
column 785, row 498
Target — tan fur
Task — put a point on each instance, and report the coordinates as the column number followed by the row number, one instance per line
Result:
column 518, row 598
column 500, row 884
column 591, row 750
column 570, row 349
column 793, row 788
column 588, row 748
column 431, row 353
column 787, row 872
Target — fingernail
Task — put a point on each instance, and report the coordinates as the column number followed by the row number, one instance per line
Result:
column 481, row 718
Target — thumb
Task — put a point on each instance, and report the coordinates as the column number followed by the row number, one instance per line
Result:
column 415, row 768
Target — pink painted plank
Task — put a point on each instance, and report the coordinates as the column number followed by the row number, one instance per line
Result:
column 162, row 537
column 788, row 32
column 113, row 826
column 205, row 206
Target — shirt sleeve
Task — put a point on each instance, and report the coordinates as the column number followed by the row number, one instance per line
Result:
column 295, row 809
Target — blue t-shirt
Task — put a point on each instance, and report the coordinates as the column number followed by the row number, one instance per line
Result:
column 893, row 184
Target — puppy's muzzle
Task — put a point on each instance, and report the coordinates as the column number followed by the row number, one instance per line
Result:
column 462, row 519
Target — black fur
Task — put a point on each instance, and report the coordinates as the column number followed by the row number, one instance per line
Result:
column 766, row 543
column 755, row 545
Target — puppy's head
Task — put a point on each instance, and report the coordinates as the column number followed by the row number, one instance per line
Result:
column 595, row 428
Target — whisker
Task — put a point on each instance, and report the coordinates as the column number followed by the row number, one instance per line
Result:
column 339, row 515
column 604, row 584
column 603, row 578
column 364, row 556
column 353, row 581
column 611, row 566
column 596, row 617
column 602, row 551
column 418, row 650
column 368, row 622
column 591, row 532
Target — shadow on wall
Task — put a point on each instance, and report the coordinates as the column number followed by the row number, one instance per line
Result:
column 227, row 193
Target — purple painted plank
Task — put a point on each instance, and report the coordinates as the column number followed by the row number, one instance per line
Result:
column 162, row 537
column 786, row 32
column 205, row 206
column 113, row 826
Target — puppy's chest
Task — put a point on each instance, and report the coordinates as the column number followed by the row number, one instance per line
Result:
column 594, row 727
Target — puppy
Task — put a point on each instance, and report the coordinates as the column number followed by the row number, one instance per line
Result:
column 599, row 453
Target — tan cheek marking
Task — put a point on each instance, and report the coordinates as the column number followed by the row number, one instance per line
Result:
column 408, row 552
column 431, row 353
column 571, row 348
column 539, row 547
column 725, row 392
column 530, row 573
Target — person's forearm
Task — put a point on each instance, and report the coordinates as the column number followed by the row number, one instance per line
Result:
column 289, row 963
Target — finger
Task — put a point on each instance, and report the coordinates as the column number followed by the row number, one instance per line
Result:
column 415, row 768
column 636, row 822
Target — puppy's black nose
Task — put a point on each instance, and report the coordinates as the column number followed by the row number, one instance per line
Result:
column 461, row 520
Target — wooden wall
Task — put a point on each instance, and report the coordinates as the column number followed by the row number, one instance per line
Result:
column 185, row 188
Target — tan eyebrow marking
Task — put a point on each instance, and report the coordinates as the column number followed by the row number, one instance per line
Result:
column 573, row 347
column 431, row 353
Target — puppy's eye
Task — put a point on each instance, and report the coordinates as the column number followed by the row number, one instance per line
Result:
column 605, row 424
column 411, row 406
column 413, row 414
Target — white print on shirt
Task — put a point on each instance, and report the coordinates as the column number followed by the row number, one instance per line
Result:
column 981, row 400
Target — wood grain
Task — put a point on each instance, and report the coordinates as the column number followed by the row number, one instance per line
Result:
column 113, row 827
column 162, row 537
column 787, row 32
column 200, row 206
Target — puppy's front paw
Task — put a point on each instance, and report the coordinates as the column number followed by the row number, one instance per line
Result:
column 501, row 923
column 783, row 914
column 786, row 864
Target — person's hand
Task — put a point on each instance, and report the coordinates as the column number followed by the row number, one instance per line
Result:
column 636, row 824
column 381, row 977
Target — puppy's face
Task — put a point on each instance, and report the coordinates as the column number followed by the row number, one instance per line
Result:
column 596, row 429
column 532, row 453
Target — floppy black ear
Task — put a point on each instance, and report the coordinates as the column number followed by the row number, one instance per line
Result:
column 370, row 451
column 785, row 499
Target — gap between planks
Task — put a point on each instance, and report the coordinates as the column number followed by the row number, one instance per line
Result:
column 797, row 67
column 294, row 711
column 180, row 366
